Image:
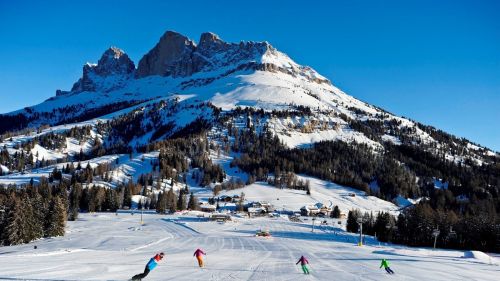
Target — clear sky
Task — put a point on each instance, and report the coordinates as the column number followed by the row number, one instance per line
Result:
column 437, row 62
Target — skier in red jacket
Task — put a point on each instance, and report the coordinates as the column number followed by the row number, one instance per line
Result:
column 304, row 262
column 199, row 256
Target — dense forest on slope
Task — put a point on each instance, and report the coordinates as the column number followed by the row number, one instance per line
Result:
column 468, row 207
column 470, row 200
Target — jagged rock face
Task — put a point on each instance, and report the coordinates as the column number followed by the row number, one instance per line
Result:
column 213, row 53
column 177, row 56
column 170, row 57
column 113, row 62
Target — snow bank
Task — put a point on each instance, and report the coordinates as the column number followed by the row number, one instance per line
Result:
column 402, row 202
column 4, row 169
column 136, row 199
column 480, row 257
column 43, row 153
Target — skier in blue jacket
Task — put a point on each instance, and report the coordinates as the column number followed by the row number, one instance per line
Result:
column 153, row 262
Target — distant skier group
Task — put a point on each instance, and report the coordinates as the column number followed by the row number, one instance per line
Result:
column 199, row 253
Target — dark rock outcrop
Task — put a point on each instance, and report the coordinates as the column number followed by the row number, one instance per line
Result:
column 175, row 55
column 170, row 57
column 113, row 62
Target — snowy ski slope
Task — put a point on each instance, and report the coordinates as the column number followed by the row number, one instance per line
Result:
column 115, row 247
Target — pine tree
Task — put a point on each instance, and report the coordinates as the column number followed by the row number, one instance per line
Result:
column 181, row 201
column 127, row 196
column 31, row 227
column 171, row 200
column 352, row 221
column 3, row 223
column 56, row 218
column 161, row 205
column 241, row 202
column 384, row 226
column 15, row 232
column 335, row 212
column 193, row 202
column 74, row 201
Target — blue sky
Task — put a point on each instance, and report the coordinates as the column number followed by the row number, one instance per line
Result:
column 437, row 62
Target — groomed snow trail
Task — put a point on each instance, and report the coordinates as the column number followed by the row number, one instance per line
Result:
column 115, row 247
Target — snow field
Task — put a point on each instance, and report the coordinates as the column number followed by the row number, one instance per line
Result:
column 106, row 246
column 321, row 192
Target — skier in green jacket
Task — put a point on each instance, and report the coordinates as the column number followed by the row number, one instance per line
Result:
column 385, row 264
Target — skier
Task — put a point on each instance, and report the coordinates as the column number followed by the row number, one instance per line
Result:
column 304, row 262
column 153, row 262
column 199, row 256
column 385, row 264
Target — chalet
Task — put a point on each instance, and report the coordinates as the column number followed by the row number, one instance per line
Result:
column 207, row 208
column 256, row 211
column 220, row 217
column 318, row 209
column 309, row 211
column 225, row 198
column 261, row 204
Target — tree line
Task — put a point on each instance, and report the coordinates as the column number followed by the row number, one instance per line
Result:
column 31, row 213
column 417, row 225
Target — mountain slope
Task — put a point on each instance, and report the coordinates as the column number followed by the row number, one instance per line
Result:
column 169, row 121
column 179, row 82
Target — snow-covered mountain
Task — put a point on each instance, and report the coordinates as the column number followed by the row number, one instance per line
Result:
column 179, row 83
column 228, row 75
column 222, row 118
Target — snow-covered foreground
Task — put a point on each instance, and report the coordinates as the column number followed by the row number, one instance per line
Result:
column 115, row 247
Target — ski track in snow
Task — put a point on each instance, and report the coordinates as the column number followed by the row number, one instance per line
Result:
column 115, row 247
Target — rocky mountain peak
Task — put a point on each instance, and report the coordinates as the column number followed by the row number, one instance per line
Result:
column 113, row 61
column 170, row 57
column 208, row 39
column 176, row 55
column 112, row 53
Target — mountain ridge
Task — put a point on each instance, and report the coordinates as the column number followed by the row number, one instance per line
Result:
column 264, row 78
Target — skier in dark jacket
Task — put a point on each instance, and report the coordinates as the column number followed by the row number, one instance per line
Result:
column 385, row 264
column 303, row 263
column 153, row 262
